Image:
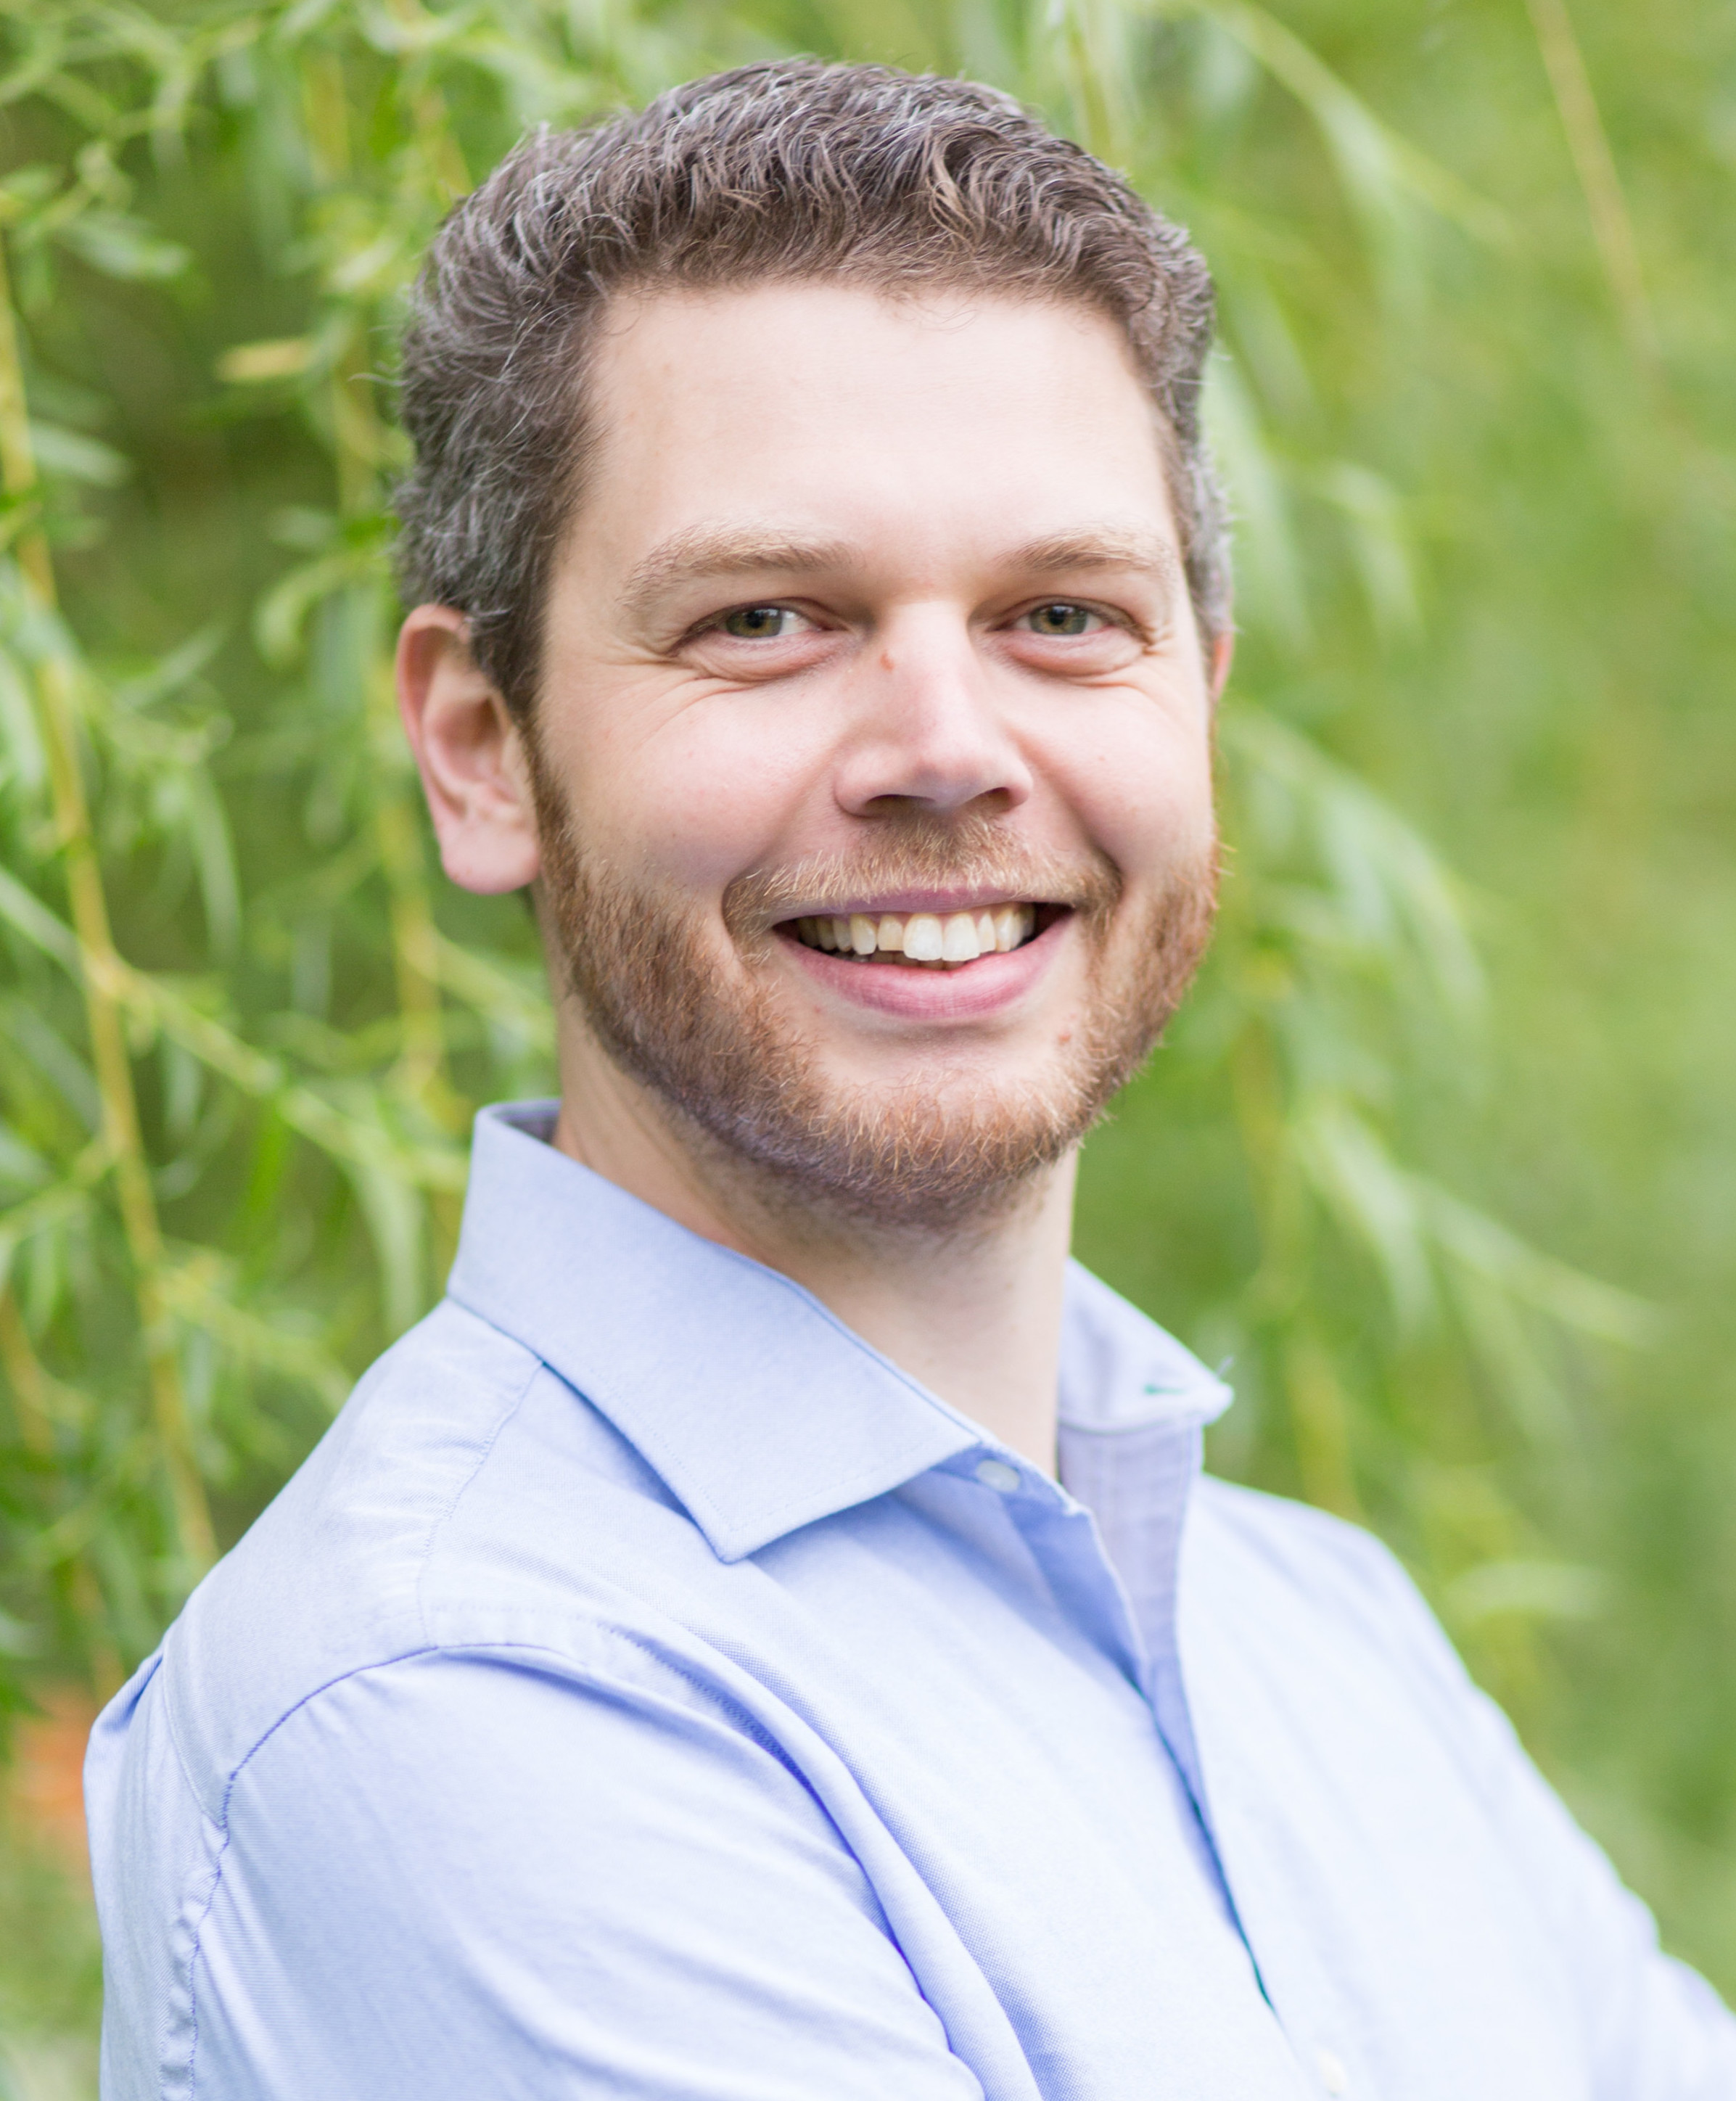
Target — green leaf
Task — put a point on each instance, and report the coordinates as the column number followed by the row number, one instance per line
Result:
column 35, row 922
column 78, row 456
column 125, row 247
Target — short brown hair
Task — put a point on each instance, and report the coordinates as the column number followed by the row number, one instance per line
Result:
column 791, row 171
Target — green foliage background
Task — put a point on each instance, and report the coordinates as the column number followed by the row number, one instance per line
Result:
column 1440, row 1154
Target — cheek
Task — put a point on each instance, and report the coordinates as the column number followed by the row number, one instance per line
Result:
column 691, row 795
column 1142, row 788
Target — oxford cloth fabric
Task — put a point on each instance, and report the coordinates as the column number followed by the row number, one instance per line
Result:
column 647, row 1689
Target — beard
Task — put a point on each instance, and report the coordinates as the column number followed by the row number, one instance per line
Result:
column 711, row 1036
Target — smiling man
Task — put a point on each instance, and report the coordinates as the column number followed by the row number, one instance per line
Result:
column 766, row 1637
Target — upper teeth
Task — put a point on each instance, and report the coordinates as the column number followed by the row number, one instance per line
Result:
column 924, row 937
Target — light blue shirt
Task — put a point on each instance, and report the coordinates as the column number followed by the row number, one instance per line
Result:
column 647, row 1689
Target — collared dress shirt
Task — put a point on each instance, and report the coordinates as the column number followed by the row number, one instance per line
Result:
column 647, row 1689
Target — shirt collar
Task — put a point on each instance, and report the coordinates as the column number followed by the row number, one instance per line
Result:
column 757, row 1407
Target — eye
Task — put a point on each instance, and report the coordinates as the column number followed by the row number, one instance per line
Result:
column 1061, row 616
column 761, row 623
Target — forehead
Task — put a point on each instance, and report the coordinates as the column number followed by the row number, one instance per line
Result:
column 849, row 409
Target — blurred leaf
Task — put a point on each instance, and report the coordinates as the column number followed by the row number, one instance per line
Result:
column 1539, row 1589
column 73, row 454
column 122, row 246
column 35, row 922
column 1266, row 545
column 250, row 364
column 1377, row 166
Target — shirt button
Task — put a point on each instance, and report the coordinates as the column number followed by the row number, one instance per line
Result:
column 1333, row 2076
column 997, row 1474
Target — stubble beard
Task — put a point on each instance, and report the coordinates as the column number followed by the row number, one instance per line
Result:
column 711, row 1036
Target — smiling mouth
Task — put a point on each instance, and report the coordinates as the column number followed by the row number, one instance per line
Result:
column 926, row 940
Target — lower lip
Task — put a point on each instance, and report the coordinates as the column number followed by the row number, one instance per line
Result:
column 987, row 987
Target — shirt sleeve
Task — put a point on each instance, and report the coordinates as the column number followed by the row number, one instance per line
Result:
column 465, row 1876
column 1657, row 2031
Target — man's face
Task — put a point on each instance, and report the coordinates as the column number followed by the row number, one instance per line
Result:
column 872, row 746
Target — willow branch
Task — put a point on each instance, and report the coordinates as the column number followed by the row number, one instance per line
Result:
column 57, row 698
column 1594, row 163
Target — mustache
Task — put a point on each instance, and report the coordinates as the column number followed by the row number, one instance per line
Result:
column 922, row 853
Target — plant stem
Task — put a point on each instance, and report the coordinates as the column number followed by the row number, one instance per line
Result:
column 100, row 971
column 31, row 1386
column 1594, row 163
column 28, row 1380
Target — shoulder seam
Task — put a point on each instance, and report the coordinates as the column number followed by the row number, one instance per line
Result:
column 733, row 1711
column 222, row 1825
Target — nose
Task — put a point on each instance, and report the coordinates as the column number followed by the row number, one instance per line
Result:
column 925, row 732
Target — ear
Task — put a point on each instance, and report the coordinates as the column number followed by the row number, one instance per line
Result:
column 1223, row 649
column 471, row 755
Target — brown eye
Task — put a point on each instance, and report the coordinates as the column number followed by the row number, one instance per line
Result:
column 759, row 623
column 1061, row 618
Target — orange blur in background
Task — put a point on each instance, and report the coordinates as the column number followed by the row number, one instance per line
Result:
column 45, row 1788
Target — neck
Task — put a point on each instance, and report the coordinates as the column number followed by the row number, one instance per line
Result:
column 973, row 1311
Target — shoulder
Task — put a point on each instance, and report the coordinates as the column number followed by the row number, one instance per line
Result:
column 460, row 1491
column 1292, row 1539
column 1315, row 1581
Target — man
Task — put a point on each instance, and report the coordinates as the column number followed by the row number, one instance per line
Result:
column 765, row 1635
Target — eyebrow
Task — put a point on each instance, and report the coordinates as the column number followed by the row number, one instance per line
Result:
column 707, row 553
column 1097, row 547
